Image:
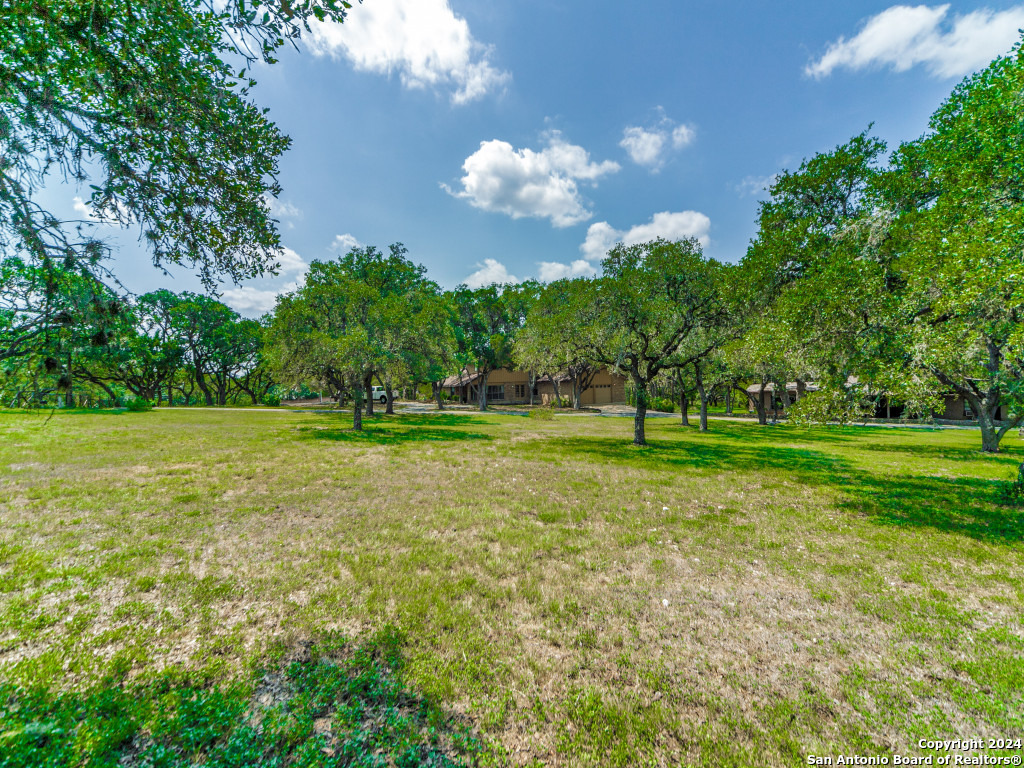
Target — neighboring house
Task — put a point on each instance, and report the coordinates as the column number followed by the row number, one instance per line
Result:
column 506, row 386
column 773, row 401
column 955, row 407
column 605, row 388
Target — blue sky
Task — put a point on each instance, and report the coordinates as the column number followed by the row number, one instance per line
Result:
column 503, row 141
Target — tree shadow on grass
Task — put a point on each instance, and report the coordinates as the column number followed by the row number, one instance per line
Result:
column 961, row 506
column 47, row 413
column 808, row 466
column 945, row 452
column 395, row 430
column 772, row 433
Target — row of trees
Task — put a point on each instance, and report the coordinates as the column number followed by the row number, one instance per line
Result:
column 160, row 346
column 903, row 274
column 907, row 273
column 904, row 271
column 370, row 316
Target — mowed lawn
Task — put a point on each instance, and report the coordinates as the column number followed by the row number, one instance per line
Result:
column 747, row 596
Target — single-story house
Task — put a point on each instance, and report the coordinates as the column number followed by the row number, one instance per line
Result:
column 507, row 386
column 773, row 401
column 955, row 407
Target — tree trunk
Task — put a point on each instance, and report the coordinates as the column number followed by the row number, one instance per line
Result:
column 357, row 410
column 985, row 413
column 684, row 407
column 200, row 380
column 389, row 409
column 728, row 401
column 368, row 393
column 436, row 387
column 533, row 384
column 481, row 393
column 558, row 394
column 990, row 433
column 703, row 402
column 762, row 412
column 576, row 394
column 69, row 395
column 641, row 413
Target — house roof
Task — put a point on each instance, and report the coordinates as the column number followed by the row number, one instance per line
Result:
column 460, row 380
column 809, row 386
column 559, row 377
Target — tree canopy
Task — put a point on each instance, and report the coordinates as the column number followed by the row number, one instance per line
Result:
column 145, row 103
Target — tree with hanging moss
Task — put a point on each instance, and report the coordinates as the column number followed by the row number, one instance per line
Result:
column 144, row 104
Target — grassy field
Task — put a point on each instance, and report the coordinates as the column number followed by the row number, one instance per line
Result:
column 747, row 596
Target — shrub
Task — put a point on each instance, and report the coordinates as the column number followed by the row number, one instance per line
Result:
column 272, row 398
column 661, row 404
column 1011, row 493
column 138, row 405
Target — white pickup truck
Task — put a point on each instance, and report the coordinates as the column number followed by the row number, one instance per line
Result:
column 381, row 395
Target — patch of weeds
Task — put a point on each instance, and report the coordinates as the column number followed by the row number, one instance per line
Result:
column 211, row 588
column 605, row 732
column 144, row 584
column 133, row 610
column 332, row 706
column 1011, row 493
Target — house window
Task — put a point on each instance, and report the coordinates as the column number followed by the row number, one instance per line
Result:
column 495, row 391
column 520, row 390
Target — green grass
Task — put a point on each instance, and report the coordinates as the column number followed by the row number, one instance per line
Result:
column 333, row 705
column 746, row 596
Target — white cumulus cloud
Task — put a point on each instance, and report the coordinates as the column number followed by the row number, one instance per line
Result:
column 666, row 224
column 491, row 271
column 649, row 146
column 281, row 209
column 905, row 36
column 527, row 182
column 344, row 243
column 290, row 263
column 422, row 40
column 252, row 301
column 553, row 270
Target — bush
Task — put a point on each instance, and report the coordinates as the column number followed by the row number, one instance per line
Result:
column 138, row 405
column 272, row 398
column 1011, row 493
column 661, row 404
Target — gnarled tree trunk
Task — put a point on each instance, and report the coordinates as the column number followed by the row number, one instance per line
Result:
column 368, row 393
column 639, row 438
column 702, row 391
column 481, row 393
